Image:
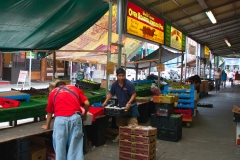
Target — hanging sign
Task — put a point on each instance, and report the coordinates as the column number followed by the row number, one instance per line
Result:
column 191, row 49
column 143, row 24
column 174, row 38
column 206, row 52
column 110, row 68
column 160, row 67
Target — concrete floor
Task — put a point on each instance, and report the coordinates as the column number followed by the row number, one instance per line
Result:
column 210, row 137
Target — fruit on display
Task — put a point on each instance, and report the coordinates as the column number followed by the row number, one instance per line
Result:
column 179, row 87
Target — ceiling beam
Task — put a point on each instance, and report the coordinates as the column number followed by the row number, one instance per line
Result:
column 178, row 9
column 203, row 11
column 211, row 25
column 216, row 15
column 226, row 34
column 226, row 47
column 213, row 34
column 157, row 3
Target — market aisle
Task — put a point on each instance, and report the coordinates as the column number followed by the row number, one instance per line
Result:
column 210, row 137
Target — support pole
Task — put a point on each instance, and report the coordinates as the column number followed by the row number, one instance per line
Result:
column 120, row 30
column 185, row 76
column 70, row 64
column 109, row 42
column 149, row 68
column 181, row 67
column 30, row 69
column 54, row 64
column 125, row 62
column 159, row 61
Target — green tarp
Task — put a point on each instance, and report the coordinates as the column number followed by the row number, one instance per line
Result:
column 45, row 24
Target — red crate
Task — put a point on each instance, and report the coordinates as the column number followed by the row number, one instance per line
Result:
column 8, row 103
column 127, row 155
column 186, row 113
column 136, row 150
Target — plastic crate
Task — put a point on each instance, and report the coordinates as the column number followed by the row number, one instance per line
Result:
column 19, row 146
column 116, row 111
column 186, row 99
column 164, row 109
column 172, row 123
column 20, row 156
column 8, row 103
column 185, row 113
column 236, row 117
column 168, row 135
column 143, row 112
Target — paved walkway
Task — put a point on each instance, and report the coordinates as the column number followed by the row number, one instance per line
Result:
column 210, row 137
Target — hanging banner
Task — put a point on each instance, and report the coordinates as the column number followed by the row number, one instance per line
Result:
column 143, row 24
column 174, row 38
column 191, row 49
column 206, row 52
column 23, row 76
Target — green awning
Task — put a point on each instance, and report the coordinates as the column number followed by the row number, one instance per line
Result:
column 45, row 24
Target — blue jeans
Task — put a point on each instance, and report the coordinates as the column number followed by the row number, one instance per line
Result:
column 217, row 84
column 68, row 138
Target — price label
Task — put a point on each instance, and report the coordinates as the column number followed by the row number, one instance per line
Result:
column 160, row 67
column 110, row 68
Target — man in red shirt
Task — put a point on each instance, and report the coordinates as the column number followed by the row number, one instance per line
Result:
column 66, row 102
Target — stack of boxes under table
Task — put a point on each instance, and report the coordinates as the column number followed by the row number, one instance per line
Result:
column 169, row 125
column 137, row 142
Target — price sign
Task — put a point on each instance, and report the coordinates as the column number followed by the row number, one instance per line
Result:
column 160, row 67
column 22, row 76
column 110, row 67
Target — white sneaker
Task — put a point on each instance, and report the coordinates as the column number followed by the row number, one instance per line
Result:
column 116, row 139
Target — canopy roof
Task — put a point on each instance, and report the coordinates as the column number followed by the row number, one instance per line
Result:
column 95, row 39
column 153, row 59
column 44, row 24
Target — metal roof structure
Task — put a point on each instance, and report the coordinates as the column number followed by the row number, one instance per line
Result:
column 189, row 17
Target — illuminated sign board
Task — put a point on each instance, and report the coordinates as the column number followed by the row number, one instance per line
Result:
column 174, row 38
column 143, row 24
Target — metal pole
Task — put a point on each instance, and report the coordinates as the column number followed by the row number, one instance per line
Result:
column 30, row 69
column 120, row 29
column 186, row 62
column 159, row 61
column 54, row 64
column 109, row 42
column 70, row 71
column 181, row 67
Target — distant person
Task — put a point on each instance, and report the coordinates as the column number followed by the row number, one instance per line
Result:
column 224, row 79
column 87, row 72
column 217, row 77
column 196, row 80
column 92, row 69
column 231, row 77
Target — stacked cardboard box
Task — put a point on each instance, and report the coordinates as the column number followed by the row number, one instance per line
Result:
column 137, row 142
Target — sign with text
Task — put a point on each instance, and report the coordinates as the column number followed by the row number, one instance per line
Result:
column 22, row 76
column 160, row 67
column 174, row 38
column 143, row 24
column 191, row 49
column 31, row 55
column 110, row 68
column 206, row 52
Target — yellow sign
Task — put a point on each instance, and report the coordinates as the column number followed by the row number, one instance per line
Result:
column 176, row 38
column 206, row 52
column 160, row 67
column 110, row 68
column 142, row 24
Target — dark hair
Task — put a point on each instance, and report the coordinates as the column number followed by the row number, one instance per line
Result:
column 120, row 71
column 60, row 84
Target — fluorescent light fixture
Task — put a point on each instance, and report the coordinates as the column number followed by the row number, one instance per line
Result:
column 211, row 17
column 229, row 45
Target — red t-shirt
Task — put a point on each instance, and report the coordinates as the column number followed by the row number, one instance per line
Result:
column 65, row 103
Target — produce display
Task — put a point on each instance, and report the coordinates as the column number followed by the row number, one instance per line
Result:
column 179, row 87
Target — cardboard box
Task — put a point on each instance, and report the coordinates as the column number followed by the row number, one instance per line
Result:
column 128, row 156
column 134, row 138
column 137, row 150
column 38, row 152
column 237, row 133
column 138, row 130
column 137, row 145
column 236, row 109
column 164, row 99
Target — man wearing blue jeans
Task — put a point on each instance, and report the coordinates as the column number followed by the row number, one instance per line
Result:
column 66, row 103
